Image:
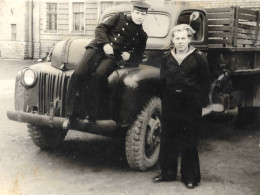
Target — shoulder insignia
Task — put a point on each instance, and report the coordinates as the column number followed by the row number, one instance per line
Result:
column 201, row 53
column 166, row 52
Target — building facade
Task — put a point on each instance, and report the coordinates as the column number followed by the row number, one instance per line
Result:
column 30, row 28
column 13, row 29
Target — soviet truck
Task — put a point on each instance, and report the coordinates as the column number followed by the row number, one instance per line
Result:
column 228, row 37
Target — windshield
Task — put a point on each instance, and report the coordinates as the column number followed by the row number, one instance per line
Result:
column 155, row 24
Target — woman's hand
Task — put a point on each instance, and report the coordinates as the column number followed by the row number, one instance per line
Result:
column 108, row 49
column 125, row 56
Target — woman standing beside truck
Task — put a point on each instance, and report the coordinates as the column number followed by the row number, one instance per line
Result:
column 185, row 82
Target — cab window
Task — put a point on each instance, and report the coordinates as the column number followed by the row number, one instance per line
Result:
column 155, row 24
column 197, row 24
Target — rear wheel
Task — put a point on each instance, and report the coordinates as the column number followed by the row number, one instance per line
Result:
column 142, row 142
column 46, row 138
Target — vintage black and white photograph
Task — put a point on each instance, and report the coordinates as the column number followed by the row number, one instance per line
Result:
column 130, row 97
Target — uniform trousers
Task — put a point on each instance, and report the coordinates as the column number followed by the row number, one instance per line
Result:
column 181, row 114
column 93, row 71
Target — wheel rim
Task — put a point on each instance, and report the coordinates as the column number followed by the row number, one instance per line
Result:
column 153, row 135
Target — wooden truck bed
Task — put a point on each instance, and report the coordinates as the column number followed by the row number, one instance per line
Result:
column 233, row 27
column 234, row 39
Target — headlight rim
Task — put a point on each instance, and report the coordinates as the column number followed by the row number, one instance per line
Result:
column 23, row 80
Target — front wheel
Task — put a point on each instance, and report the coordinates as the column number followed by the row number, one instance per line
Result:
column 142, row 142
column 46, row 138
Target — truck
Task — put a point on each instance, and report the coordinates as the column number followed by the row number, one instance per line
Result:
column 228, row 36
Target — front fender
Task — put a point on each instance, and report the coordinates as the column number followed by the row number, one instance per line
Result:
column 19, row 95
column 135, row 87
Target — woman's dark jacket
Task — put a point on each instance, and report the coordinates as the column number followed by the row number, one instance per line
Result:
column 123, row 35
column 191, row 76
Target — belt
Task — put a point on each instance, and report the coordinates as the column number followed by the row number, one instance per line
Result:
column 181, row 90
column 174, row 89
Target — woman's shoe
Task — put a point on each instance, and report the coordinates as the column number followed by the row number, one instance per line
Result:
column 158, row 179
column 91, row 119
column 161, row 178
column 190, row 185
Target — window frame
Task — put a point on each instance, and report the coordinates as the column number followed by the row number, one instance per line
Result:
column 81, row 23
column 47, row 15
column 117, row 2
column 203, row 38
column 71, row 17
column 13, row 34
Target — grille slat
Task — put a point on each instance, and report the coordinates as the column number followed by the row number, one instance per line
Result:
column 51, row 87
column 60, row 91
column 40, row 93
column 47, row 92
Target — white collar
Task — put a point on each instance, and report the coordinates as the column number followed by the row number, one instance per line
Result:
column 190, row 50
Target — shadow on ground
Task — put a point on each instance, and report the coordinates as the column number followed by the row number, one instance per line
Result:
column 96, row 152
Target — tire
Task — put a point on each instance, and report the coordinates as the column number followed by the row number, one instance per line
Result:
column 46, row 138
column 142, row 142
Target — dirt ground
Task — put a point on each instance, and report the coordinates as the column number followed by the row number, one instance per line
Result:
column 89, row 164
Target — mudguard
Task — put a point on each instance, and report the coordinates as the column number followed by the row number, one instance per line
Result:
column 135, row 86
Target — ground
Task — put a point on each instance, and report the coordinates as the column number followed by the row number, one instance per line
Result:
column 90, row 164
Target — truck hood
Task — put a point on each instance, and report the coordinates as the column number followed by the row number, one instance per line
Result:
column 131, row 77
column 68, row 53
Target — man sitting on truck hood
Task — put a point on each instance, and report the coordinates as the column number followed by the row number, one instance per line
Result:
column 120, row 38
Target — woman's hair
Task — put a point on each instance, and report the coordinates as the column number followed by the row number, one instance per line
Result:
column 181, row 27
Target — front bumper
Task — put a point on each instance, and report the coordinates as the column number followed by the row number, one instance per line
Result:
column 100, row 127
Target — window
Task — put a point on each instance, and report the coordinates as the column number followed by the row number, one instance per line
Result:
column 155, row 24
column 197, row 25
column 13, row 32
column 78, row 16
column 51, row 19
column 105, row 5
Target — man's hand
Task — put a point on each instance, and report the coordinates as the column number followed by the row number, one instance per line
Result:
column 108, row 49
column 125, row 56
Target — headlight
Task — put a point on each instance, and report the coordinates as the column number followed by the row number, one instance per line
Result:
column 29, row 77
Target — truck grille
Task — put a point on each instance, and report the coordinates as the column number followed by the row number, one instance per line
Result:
column 53, row 88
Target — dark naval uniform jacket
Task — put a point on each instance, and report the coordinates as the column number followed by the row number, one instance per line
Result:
column 192, row 76
column 123, row 35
